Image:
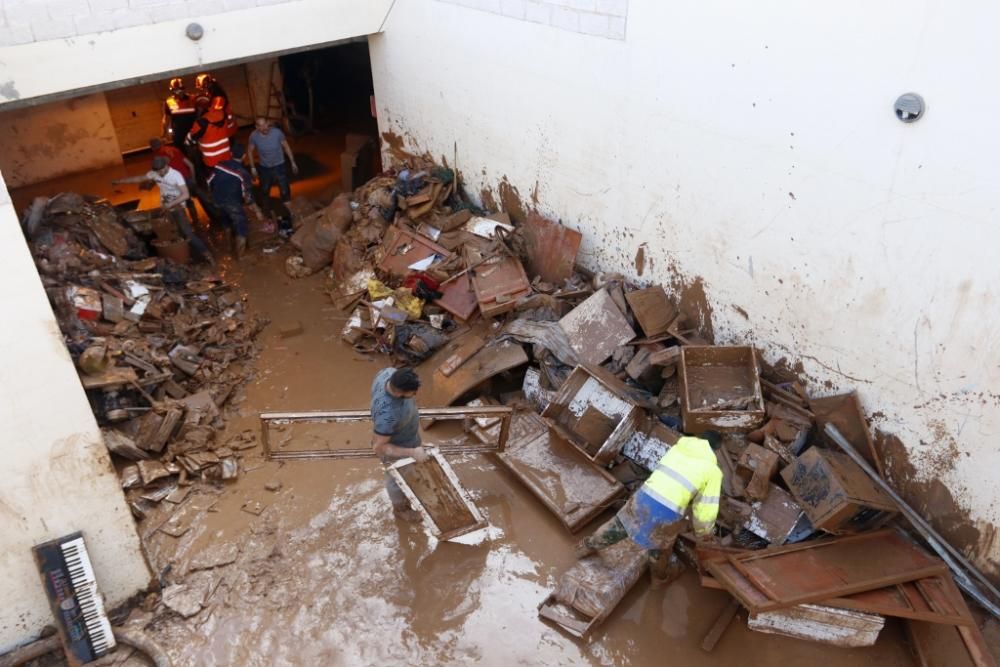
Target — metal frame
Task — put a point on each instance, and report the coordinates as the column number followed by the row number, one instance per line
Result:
column 341, row 416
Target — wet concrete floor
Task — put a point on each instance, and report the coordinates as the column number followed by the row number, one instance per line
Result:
column 325, row 575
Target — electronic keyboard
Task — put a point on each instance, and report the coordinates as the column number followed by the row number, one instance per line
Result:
column 75, row 600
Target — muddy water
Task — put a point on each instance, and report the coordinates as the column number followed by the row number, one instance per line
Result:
column 326, row 576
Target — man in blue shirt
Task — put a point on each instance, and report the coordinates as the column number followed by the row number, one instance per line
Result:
column 396, row 426
column 272, row 147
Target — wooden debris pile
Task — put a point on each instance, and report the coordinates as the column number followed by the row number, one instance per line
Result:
column 160, row 347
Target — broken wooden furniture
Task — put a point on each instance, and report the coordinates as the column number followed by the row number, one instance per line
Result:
column 778, row 518
column 464, row 376
column 824, row 625
column 551, row 248
column 593, row 411
column 652, row 309
column 836, row 494
column 433, row 489
column 407, row 249
column 498, row 281
column 720, row 389
column 268, row 419
column 844, row 412
column 649, row 443
column 591, row 589
column 559, row 475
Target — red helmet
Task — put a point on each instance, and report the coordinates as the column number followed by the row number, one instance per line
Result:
column 177, row 83
column 204, row 80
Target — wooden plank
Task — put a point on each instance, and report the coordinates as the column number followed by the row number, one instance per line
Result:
column 458, row 297
column 551, row 248
column 407, row 248
column 557, row 473
column 824, row 569
column 596, row 328
column 483, row 365
column 652, row 309
column 824, row 625
column 719, row 627
column 468, row 347
column 906, row 601
column 434, row 490
column 844, row 412
column 937, row 645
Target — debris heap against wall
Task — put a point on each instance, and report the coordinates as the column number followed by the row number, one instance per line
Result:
column 158, row 344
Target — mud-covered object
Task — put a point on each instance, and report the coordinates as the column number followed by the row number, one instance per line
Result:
column 594, row 585
column 429, row 340
column 319, row 233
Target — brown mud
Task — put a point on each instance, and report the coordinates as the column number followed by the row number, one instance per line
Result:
column 322, row 574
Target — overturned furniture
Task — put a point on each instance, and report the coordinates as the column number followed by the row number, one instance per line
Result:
column 433, row 489
column 720, row 389
column 558, row 473
column 590, row 590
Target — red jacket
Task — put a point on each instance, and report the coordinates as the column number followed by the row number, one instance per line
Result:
column 212, row 134
column 176, row 158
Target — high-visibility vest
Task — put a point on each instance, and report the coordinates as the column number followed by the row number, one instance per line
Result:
column 688, row 475
column 214, row 141
column 180, row 106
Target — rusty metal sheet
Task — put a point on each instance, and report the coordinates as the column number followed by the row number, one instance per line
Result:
column 596, row 328
column 817, row 571
column 407, row 248
column 559, row 475
column 552, row 248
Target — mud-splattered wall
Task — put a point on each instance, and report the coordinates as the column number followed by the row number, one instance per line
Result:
column 50, row 140
column 57, row 476
column 754, row 154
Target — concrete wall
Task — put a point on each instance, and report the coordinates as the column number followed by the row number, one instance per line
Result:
column 63, row 137
column 755, row 148
column 57, row 475
column 103, row 54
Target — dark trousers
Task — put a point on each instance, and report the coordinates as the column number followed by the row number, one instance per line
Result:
column 235, row 216
column 269, row 176
column 180, row 218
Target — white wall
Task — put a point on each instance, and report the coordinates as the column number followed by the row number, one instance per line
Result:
column 57, row 476
column 50, row 140
column 755, row 146
column 103, row 54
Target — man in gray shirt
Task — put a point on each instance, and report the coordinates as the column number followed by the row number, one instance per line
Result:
column 272, row 147
column 396, row 426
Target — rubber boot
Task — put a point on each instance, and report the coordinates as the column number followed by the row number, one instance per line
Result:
column 241, row 246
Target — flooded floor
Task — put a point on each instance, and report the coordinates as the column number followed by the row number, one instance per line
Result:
column 319, row 572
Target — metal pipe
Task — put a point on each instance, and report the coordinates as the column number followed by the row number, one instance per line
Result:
column 947, row 552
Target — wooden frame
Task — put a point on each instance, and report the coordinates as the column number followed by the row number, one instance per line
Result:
column 698, row 419
column 341, row 416
column 457, row 492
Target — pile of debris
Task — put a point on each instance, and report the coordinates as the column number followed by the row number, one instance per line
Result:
column 615, row 374
column 160, row 346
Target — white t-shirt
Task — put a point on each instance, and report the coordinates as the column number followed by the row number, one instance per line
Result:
column 170, row 185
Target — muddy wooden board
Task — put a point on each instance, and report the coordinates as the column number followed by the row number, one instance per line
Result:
column 596, row 328
column 844, row 412
column 933, row 599
column 487, row 362
column 652, row 309
column 824, row 625
column 590, row 590
column 458, row 297
column 405, row 249
column 552, row 248
column 937, row 645
column 114, row 376
column 819, row 570
column 559, row 475
column 434, row 490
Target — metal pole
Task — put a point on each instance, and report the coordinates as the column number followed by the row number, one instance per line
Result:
column 937, row 543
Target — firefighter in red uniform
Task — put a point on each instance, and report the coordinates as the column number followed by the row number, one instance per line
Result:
column 178, row 112
column 212, row 97
column 212, row 137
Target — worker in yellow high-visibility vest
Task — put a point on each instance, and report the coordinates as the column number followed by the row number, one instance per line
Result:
column 686, row 477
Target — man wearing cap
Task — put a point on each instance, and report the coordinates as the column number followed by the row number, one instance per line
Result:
column 180, row 163
column 174, row 194
column 687, row 477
